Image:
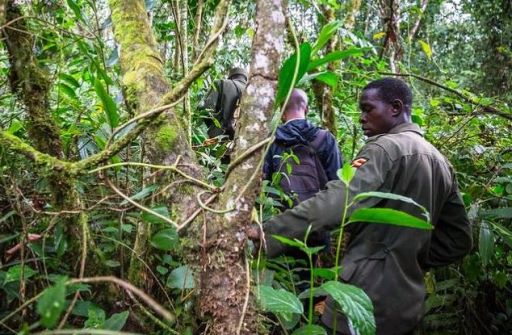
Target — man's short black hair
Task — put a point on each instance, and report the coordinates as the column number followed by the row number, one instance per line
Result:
column 391, row 89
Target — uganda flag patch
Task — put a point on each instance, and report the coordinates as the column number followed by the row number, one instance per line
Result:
column 357, row 163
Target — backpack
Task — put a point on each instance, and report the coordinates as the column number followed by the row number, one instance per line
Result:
column 303, row 172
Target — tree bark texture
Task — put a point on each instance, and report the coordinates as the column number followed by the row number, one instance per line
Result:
column 144, row 85
column 224, row 295
column 31, row 83
column 322, row 91
column 390, row 12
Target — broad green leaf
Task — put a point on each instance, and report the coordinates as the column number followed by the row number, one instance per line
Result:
column 279, row 301
column 162, row 210
column 329, row 274
column 95, row 318
column 347, row 173
column 289, row 320
column 417, row 119
column 82, row 308
column 116, row 321
column 426, row 49
column 329, row 78
column 165, row 239
column 310, row 330
column 51, row 303
column 485, row 243
column 504, row 233
column 287, row 241
column 390, row 196
column 142, row 194
column 325, row 34
column 68, row 91
column 499, row 213
column 15, row 272
column 72, row 4
column 335, row 56
column 389, row 216
column 181, row 278
column 354, row 303
column 285, row 79
column 15, row 127
column 70, row 80
column 108, row 103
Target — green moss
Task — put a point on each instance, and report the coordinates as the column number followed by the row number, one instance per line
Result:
column 165, row 137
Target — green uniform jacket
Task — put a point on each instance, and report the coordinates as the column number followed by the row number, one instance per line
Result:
column 388, row 262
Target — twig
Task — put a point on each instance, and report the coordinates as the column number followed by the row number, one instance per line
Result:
column 136, row 204
column 161, row 167
column 247, row 295
column 216, row 211
column 246, row 154
column 485, row 109
column 159, row 309
column 197, row 211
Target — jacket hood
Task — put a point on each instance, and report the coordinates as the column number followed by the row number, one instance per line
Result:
column 296, row 132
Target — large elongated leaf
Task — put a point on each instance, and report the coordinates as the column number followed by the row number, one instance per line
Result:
column 499, row 213
column 335, row 56
column 310, row 330
column 279, row 301
column 145, row 192
column 325, row 34
column 390, row 196
column 356, row 305
column 485, row 243
column 346, row 173
column 108, row 103
column 285, row 79
column 329, row 78
column 389, row 216
column 503, row 232
column 51, row 304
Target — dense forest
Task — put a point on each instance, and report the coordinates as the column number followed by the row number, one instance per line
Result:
column 119, row 215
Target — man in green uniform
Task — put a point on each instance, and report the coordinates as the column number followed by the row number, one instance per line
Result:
column 387, row 262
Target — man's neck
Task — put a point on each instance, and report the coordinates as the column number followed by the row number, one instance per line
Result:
column 293, row 119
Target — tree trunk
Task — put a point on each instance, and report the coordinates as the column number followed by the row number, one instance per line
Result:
column 225, row 291
column 323, row 92
column 145, row 85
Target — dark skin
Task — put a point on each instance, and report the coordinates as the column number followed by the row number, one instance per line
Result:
column 377, row 117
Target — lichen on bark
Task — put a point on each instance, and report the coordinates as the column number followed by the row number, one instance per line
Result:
column 223, row 273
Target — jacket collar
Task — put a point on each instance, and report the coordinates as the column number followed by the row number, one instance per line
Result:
column 408, row 126
column 401, row 128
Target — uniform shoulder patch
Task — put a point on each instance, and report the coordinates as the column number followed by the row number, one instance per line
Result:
column 357, row 163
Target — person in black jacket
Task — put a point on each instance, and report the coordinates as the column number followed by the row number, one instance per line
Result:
column 222, row 101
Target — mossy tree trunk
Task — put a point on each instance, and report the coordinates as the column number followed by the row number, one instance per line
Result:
column 145, row 86
column 31, row 83
column 224, row 295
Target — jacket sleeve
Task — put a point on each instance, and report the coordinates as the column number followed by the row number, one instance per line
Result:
column 333, row 160
column 210, row 102
column 451, row 239
column 324, row 211
column 267, row 164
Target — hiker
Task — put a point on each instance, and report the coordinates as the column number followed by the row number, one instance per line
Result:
column 386, row 261
column 316, row 149
column 222, row 100
column 317, row 160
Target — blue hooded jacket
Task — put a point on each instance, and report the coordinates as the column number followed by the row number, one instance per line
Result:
column 301, row 131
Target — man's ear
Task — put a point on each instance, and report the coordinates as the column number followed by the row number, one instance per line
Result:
column 398, row 107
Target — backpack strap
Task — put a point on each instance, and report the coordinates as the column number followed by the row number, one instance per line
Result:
column 314, row 145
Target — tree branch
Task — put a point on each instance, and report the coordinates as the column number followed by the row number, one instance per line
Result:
column 485, row 109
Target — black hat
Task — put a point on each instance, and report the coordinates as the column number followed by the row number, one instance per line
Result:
column 237, row 71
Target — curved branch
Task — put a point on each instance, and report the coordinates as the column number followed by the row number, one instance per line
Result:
column 486, row 109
